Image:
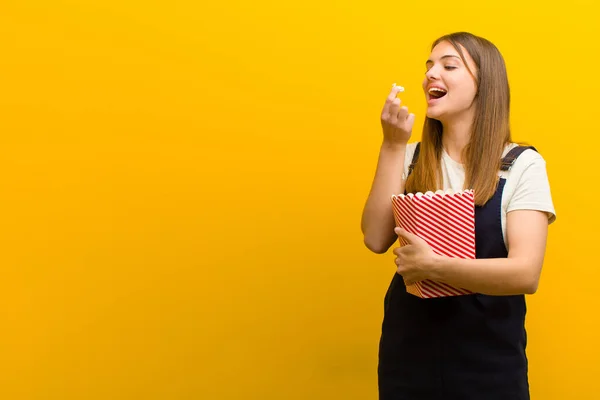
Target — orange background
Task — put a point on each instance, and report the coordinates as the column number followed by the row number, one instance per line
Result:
column 182, row 184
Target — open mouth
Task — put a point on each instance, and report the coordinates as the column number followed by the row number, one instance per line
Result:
column 437, row 93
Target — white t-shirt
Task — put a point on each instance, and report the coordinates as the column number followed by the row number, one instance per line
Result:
column 527, row 186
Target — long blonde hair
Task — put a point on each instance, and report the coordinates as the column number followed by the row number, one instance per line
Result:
column 490, row 132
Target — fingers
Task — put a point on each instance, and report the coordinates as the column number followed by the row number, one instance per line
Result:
column 393, row 113
column 402, row 271
column 402, row 113
column 400, row 259
column 406, row 276
column 392, row 97
column 404, row 234
column 399, row 263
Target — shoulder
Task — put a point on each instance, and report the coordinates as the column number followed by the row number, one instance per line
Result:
column 527, row 183
column 527, row 161
column 527, row 156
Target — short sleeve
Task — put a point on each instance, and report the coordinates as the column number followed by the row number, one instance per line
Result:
column 531, row 186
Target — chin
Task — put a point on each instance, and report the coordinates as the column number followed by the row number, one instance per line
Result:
column 433, row 114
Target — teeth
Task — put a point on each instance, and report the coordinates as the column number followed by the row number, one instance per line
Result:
column 434, row 89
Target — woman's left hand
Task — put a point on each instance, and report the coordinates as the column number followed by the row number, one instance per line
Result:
column 414, row 260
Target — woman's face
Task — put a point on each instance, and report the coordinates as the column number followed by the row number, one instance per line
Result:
column 448, row 85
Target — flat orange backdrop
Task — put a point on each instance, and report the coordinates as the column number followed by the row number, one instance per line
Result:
column 182, row 184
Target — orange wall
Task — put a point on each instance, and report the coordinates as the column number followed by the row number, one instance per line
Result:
column 182, row 187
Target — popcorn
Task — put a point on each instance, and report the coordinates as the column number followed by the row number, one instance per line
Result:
column 400, row 88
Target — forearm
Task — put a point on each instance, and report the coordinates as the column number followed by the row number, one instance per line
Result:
column 492, row 276
column 378, row 219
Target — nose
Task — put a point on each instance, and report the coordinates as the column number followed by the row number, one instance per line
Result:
column 433, row 73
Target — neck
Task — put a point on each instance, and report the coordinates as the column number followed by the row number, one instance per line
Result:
column 456, row 136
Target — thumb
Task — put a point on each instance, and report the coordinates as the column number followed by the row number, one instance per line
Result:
column 409, row 237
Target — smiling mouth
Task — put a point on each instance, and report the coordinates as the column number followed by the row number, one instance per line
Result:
column 437, row 93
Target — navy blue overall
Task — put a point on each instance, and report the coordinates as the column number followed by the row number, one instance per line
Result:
column 469, row 347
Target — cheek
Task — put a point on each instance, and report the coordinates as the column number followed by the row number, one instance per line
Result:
column 463, row 90
column 470, row 87
column 470, row 91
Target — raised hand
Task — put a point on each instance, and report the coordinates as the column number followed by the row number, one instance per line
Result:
column 396, row 121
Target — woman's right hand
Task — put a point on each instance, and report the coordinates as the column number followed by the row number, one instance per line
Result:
column 397, row 123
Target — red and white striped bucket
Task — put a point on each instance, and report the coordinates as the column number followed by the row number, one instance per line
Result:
column 446, row 221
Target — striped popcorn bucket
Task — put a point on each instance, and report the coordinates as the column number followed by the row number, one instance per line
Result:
column 446, row 221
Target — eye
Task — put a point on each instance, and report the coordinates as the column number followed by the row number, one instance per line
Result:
column 450, row 67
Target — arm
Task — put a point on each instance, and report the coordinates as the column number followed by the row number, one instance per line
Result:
column 519, row 273
column 530, row 211
column 377, row 222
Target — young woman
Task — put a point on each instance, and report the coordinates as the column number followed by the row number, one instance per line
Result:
column 469, row 347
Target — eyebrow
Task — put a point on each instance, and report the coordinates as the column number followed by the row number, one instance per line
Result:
column 446, row 56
